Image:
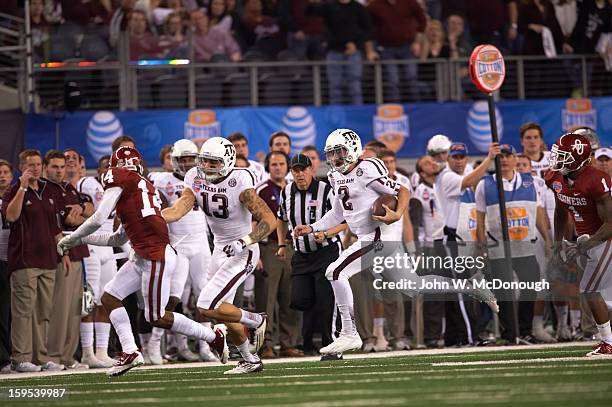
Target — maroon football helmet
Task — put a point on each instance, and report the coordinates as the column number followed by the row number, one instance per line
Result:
column 570, row 153
column 128, row 158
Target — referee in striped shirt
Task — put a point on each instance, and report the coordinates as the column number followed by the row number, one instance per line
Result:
column 304, row 201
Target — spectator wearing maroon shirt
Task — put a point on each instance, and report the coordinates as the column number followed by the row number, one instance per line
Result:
column 396, row 26
column 492, row 21
column 143, row 43
column 305, row 32
column 6, row 179
column 65, row 320
column 31, row 210
column 261, row 32
column 278, row 271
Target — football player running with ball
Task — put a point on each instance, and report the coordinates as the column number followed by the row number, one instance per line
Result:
column 357, row 183
column 583, row 192
column 151, row 264
column 227, row 196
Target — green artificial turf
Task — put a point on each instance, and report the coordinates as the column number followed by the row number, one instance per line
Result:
column 556, row 377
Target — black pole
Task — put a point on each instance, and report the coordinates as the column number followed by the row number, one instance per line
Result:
column 502, row 209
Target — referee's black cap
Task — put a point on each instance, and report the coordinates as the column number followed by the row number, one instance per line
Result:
column 300, row 160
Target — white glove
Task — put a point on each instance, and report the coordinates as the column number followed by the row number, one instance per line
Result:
column 64, row 245
column 234, row 248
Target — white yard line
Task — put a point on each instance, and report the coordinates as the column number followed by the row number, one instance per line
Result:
column 523, row 361
column 446, row 352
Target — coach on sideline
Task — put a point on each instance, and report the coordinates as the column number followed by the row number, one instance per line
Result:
column 452, row 187
column 304, row 201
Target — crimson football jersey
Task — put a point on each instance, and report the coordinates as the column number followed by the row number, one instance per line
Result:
column 579, row 198
column 139, row 209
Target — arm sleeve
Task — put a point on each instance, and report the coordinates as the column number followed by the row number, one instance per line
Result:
column 481, row 203
column 93, row 223
column 115, row 239
column 332, row 218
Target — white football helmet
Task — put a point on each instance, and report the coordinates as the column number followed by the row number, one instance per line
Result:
column 438, row 144
column 342, row 148
column 183, row 148
column 216, row 159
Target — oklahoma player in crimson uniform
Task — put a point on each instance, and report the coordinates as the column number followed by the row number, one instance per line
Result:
column 149, row 269
column 584, row 192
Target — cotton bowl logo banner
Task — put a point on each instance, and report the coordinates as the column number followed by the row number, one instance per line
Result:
column 102, row 130
column 518, row 223
column 391, row 126
column 202, row 125
column 479, row 127
column 487, row 68
column 578, row 113
column 300, row 127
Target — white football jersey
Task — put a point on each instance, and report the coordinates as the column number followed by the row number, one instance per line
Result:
column 433, row 221
column 93, row 187
column 171, row 186
column 397, row 228
column 227, row 218
column 356, row 194
column 257, row 169
column 539, row 167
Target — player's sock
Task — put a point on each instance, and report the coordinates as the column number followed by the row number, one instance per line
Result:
column 250, row 319
column 562, row 311
column 344, row 299
column 605, row 333
column 538, row 322
column 156, row 334
column 189, row 327
column 102, row 334
column 144, row 339
column 246, row 353
column 379, row 322
column 87, row 335
column 181, row 342
column 575, row 315
column 121, row 322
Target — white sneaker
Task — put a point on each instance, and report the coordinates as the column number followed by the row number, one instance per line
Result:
column 258, row 335
column 541, row 335
column 564, row 333
column 369, row 345
column 206, row 355
column 154, row 351
column 24, row 367
column 401, row 344
column 145, row 355
column 246, row 367
column 102, row 356
column 343, row 344
column 93, row 362
column 485, row 295
column 51, row 366
column 75, row 365
column 8, row 368
column 187, row 355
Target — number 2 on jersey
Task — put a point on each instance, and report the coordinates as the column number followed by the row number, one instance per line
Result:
column 343, row 193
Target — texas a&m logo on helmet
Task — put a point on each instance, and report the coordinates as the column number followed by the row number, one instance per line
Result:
column 570, row 153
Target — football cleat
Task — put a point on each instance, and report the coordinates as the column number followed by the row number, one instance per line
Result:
column 485, row 295
column 601, row 349
column 206, row 355
column 94, row 363
column 125, row 362
column 257, row 335
column 246, row 367
column 564, row 333
column 186, row 355
column 541, row 335
column 154, row 352
column 219, row 345
column 343, row 343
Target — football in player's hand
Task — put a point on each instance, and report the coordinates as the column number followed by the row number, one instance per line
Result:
column 387, row 199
